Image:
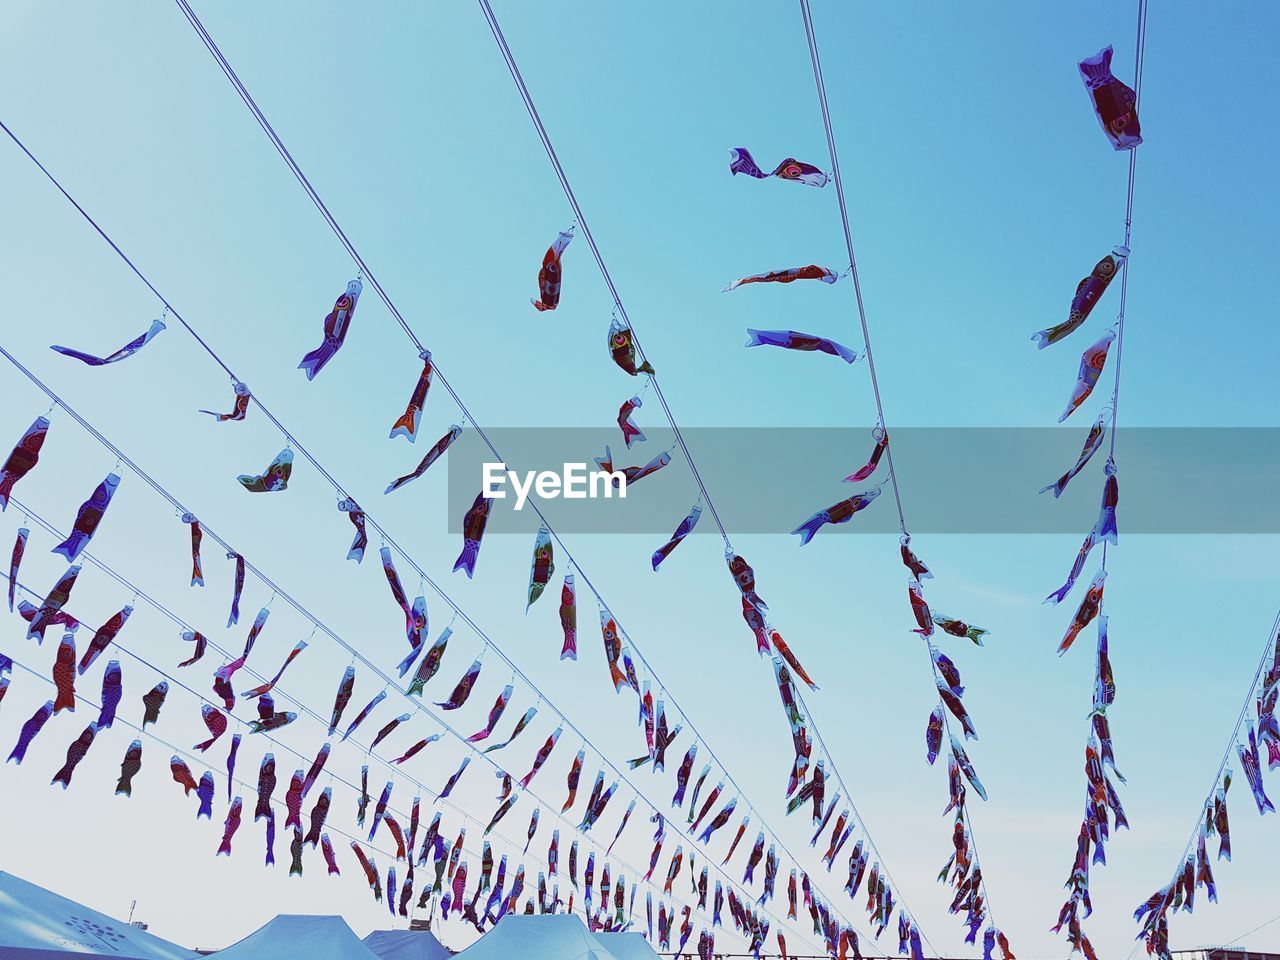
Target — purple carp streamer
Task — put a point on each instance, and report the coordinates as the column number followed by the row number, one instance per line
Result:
column 128, row 350
column 741, row 161
column 336, row 325
column 88, row 517
column 22, row 459
column 793, row 340
column 1088, row 292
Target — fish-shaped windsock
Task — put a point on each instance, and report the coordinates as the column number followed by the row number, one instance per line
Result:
column 962, row 759
column 205, row 791
column 345, row 687
column 64, row 674
column 23, row 458
column 75, row 753
column 1252, row 764
column 102, row 638
column 416, row 748
column 622, row 347
column 387, row 730
column 313, row 772
column 453, row 780
column 569, row 618
column 630, row 432
column 357, row 518
column 237, row 588
column 463, row 689
column 29, row 730
column 368, row 708
column 626, row 476
column 789, row 275
column 87, row 518
column 270, row 840
column 1105, row 526
column 238, row 409
column 336, row 325
column 841, row 512
column 430, row 663
column 744, row 576
column 112, row 691
column 957, row 628
column 503, row 809
column 1090, row 605
column 542, row 566
column 775, row 638
column 741, row 161
column 1091, row 364
column 197, row 570
column 495, row 713
column 407, row 425
column 473, row 525
column 543, row 753
column 128, row 350
column 295, row 853
column 575, row 774
column 518, row 729
column 793, row 340
column 1088, row 292
column 880, row 439
column 1115, row 103
column 272, row 479
column 331, row 861
column 230, row 827
column 612, row 648
column 201, row 642
column 550, row 276
column 266, row 786
column 1092, row 443
column 129, row 768
column 265, row 688
column 434, row 454
column 293, row 801
column 216, row 723
column 50, row 613
column 15, row 561
column 6, row 670
column 683, row 530
column 318, row 814
column 182, row 775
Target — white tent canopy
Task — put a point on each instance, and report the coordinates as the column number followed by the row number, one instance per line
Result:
column 299, row 937
column 36, row 924
column 547, row 937
column 406, row 945
column 627, row 946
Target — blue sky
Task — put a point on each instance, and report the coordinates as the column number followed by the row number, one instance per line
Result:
column 980, row 190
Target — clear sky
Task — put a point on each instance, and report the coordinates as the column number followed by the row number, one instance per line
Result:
column 981, row 190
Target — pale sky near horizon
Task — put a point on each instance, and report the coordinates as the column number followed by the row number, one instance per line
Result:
column 980, row 190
